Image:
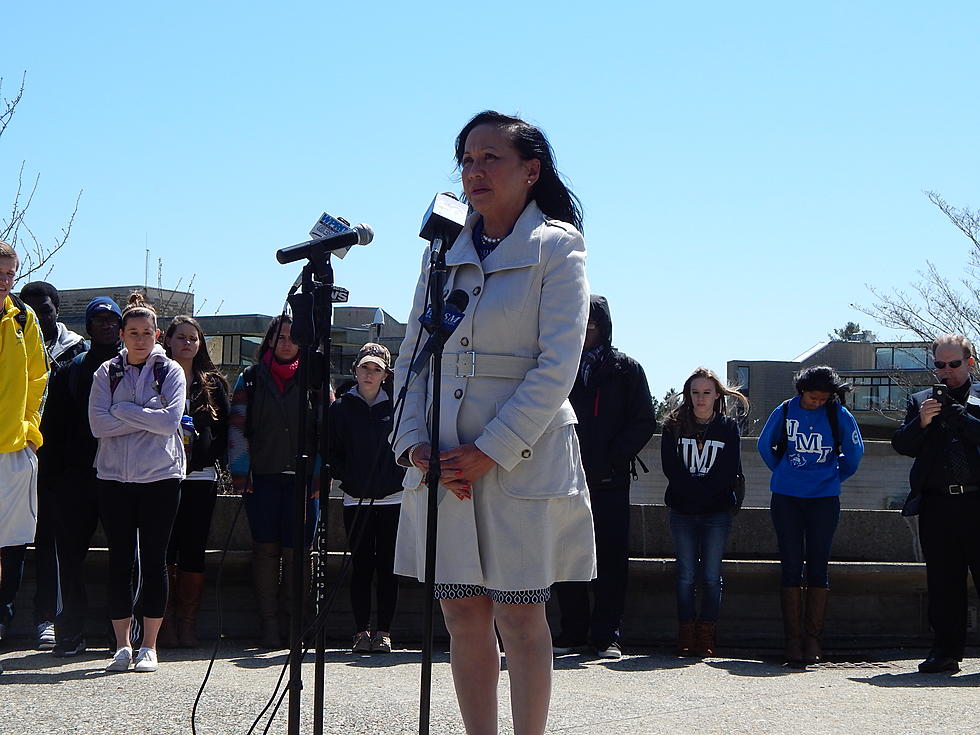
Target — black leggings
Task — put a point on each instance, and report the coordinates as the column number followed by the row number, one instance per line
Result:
column 137, row 518
column 372, row 545
column 193, row 524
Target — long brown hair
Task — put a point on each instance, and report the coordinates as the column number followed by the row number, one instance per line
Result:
column 203, row 368
column 681, row 420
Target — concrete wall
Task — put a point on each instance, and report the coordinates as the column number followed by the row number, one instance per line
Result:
column 882, row 477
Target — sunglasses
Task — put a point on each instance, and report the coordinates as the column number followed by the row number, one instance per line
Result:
column 952, row 363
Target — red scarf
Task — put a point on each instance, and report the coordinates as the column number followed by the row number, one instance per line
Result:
column 281, row 372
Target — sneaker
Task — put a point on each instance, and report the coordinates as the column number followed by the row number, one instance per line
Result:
column 562, row 645
column 362, row 642
column 612, row 652
column 380, row 643
column 69, row 647
column 146, row 661
column 122, row 660
column 45, row 636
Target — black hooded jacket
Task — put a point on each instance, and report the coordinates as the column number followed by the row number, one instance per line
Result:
column 614, row 410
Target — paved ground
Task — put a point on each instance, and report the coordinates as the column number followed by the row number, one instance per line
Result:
column 646, row 693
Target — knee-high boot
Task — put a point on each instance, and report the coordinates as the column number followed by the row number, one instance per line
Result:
column 190, row 588
column 265, row 576
column 791, row 599
column 167, row 637
column 287, row 587
column 813, row 619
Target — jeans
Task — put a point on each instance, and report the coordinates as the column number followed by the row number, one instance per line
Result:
column 804, row 530
column 699, row 543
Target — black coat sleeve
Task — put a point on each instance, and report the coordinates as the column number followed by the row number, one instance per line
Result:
column 910, row 436
column 641, row 421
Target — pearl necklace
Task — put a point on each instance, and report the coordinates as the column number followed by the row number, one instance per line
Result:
column 488, row 241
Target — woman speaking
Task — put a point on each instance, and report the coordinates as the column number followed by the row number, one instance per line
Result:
column 514, row 514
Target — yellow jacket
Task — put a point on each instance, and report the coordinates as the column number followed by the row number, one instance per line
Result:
column 23, row 376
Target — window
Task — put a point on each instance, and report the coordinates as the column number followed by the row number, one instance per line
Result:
column 742, row 378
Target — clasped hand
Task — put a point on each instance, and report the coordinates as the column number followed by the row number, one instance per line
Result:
column 459, row 467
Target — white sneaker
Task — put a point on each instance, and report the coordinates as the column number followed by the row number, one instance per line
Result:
column 146, row 660
column 45, row 636
column 122, row 660
column 613, row 652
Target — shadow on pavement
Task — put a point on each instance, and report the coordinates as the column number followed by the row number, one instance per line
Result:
column 763, row 668
column 915, row 679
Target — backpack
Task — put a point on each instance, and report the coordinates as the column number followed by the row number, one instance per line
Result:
column 831, row 406
column 117, row 370
column 21, row 317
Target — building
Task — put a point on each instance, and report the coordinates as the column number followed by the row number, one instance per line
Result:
column 882, row 373
column 233, row 339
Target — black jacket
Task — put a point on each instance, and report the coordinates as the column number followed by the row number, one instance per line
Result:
column 700, row 480
column 69, row 446
column 928, row 445
column 615, row 412
column 211, row 442
column 358, row 451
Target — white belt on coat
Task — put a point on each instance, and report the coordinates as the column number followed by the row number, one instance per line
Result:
column 480, row 365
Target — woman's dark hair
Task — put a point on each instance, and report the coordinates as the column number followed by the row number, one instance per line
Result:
column 272, row 334
column 821, row 378
column 682, row 417
column 40, row 289
column 138, row 306
column 203, row 367
column 554, row 198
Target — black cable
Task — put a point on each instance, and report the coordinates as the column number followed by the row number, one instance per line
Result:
column 217, row 594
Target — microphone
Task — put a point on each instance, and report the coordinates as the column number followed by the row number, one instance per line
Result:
column 444, row 219
column 452, row 315
column 361, row 235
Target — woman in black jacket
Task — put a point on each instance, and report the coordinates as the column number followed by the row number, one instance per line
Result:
column 205, row 432
column 701, row 456
column 361, row 459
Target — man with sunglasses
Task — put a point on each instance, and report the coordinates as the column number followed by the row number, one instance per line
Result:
column 942, row 431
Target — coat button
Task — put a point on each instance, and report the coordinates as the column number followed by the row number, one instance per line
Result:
column 476, row 290
column 464, row 342
column 526, row 453
column 458, row 393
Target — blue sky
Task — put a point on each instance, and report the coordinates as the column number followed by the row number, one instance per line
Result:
column 745, row 169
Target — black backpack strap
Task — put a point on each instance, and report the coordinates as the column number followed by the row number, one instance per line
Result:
column 159, row 375
column 116, row 372
column 21, row 317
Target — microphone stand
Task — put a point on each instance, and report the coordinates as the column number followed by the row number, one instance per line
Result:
column 312, row 323
column 437, row 281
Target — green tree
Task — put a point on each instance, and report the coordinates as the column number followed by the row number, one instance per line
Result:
column 845, row 333
column 662, row 408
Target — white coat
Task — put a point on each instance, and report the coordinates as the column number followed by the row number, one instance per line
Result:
column 529, row 522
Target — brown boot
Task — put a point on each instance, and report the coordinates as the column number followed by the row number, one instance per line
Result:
column 167, row 637
column 704, row 639
column 685, row 639
column 265, row 576
column 791, row 599
column 190, row 587
column 813, row 617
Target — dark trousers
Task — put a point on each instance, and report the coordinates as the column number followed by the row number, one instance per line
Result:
column 76, row 518
column 805, row 530
column 137, row 518
column 45, row 564
column 371, row 532
column 949, row 529
column 192, row 525
column 269, row 508
column 611, row 516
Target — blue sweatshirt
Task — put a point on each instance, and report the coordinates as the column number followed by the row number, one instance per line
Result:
column 807, row 469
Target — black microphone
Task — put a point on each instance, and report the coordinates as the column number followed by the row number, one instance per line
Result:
column 444, row 219
column 361, row 235
column 452, row 315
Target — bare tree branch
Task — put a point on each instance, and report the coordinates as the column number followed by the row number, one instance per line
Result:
column 9, row 106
